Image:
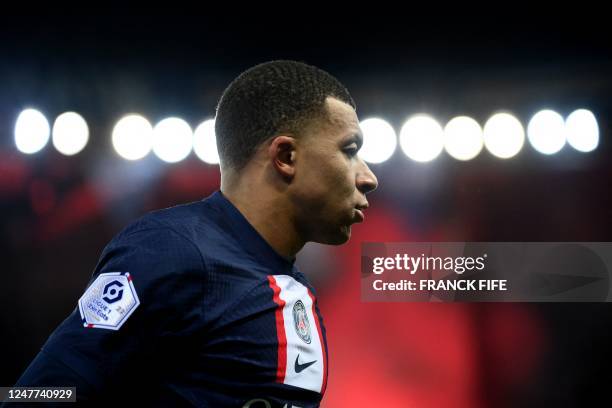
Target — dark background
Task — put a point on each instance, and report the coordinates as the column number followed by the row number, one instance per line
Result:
column 58, row 212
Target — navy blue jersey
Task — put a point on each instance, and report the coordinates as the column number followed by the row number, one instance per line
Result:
column 191, row 306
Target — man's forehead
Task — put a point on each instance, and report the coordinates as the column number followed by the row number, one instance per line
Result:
column 340, row 111
column 342, row 115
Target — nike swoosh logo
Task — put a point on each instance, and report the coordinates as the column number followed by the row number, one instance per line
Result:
column 301, row 367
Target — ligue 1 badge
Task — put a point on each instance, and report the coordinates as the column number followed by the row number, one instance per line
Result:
column 300, row 321
column 108, row 301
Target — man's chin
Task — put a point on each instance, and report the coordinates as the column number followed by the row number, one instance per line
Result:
column 339, row 237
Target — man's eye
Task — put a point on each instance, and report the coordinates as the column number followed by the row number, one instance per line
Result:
column 351, row 151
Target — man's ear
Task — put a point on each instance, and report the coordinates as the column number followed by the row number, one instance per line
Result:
column 282, row 153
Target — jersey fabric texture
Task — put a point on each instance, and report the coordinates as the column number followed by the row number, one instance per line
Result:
column 218, row 319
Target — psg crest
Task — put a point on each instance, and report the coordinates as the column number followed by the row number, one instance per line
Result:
column 300, row 321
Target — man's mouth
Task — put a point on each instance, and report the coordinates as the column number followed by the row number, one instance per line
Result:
column 359, row 215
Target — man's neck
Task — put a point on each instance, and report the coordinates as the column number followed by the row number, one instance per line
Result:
column 270, row 216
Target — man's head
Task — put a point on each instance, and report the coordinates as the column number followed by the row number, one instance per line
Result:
column 269, row 99
column 291, row 128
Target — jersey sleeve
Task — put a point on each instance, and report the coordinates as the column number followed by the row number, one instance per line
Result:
column 144, row 294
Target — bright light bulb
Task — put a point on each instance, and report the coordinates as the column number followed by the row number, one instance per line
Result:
column 172, row 140
column 132, row 137
column 504, row 135
column 31, row 131
column 546, row 132
column 422, row 138
column 70, row 133
column 582, row 130
column 205, row 142
column 379, row 140
column 463, row 138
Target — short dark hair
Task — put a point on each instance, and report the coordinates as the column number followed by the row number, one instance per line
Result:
column 273, row 97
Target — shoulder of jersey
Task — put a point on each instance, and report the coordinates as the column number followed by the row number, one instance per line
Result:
column 178, row 218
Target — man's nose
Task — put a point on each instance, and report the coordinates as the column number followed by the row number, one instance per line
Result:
column 366, row 180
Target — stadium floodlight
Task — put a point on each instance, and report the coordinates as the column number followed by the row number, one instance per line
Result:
column 132, row 137
column 546, row 132
column 172, row 140
column 421, row 138
column 31, row 131
column 70, row 133
column 205, row 142
column 582, row 130
column 379, row 140
column 463, row 138
column 504, row 135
